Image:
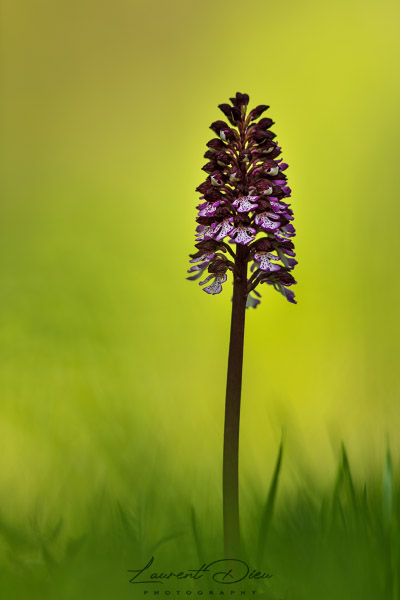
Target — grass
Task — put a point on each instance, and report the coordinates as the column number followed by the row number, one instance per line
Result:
column 342, row 544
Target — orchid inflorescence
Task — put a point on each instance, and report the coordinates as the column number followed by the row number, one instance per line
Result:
column 244, row 201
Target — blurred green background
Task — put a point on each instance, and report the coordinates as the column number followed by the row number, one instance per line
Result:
column 112, row 364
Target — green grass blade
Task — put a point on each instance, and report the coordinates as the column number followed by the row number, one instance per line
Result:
column 126, row 523
column 269, row 505
column 344, row 495
column 199, row 544
column 387, row 491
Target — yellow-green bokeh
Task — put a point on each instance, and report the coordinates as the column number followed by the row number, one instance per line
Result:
column 111, row 362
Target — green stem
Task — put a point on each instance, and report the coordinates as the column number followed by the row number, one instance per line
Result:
column 232, row 408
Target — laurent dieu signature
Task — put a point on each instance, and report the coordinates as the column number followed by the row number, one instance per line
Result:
column 225, row 570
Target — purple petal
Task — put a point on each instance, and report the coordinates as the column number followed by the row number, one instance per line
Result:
column 263, row 220
column 241, row 235
column 216, row 286
column 289, row 295
column 246, row 204
column 206, row 233
column 265, row 263
column 207, row 209
column 196, row 276
column 204, row 256
column 225, row 228
column 207, row 279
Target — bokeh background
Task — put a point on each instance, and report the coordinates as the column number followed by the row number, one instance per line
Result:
column 112, row 364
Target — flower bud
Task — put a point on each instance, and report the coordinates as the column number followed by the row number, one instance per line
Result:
column 257, row 112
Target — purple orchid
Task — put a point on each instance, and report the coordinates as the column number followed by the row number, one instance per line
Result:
column 244, row 225
column 244, row 199
column 216, row 285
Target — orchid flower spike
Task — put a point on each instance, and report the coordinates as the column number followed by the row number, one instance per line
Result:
column 244, row 202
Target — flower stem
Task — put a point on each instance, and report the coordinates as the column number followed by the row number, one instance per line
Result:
column 232, row 407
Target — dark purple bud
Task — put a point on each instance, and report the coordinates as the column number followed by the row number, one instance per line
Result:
column 264, row 245
column 236, row 115
column 265, row 123
column 223, row 159
column 286, row 278
column 216, row 144
column 196, row 255
column 234, row 175
column 265, row 144
column 257, row 112
column 213, row 195
column 226, row 109
column 263, row 204
column 218, row 126
column 210, row 167
column 210, row 154
column 262, row 137
column 218, row 265
column 207, row 246
column 217, row 179
column 270, row 167
column 264, row 187
column 228, row 135
column 204, row 187
column 269, row 150
column 277, row 192
column 222, row 212
column 232, row 113
column 240, row 100
column 204, row 220
column 245, row 156
column 223, row 130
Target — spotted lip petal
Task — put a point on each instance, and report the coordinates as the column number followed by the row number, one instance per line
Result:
column 245, row 204
column 240, row 236
column 207, row 233
column 278, row 207
column 265, row 222
column 224, row 228
column 203, row 260
column 200, row 267
column 203, row 257
column 207, row 209
column 216, row 286
column 264, row 258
